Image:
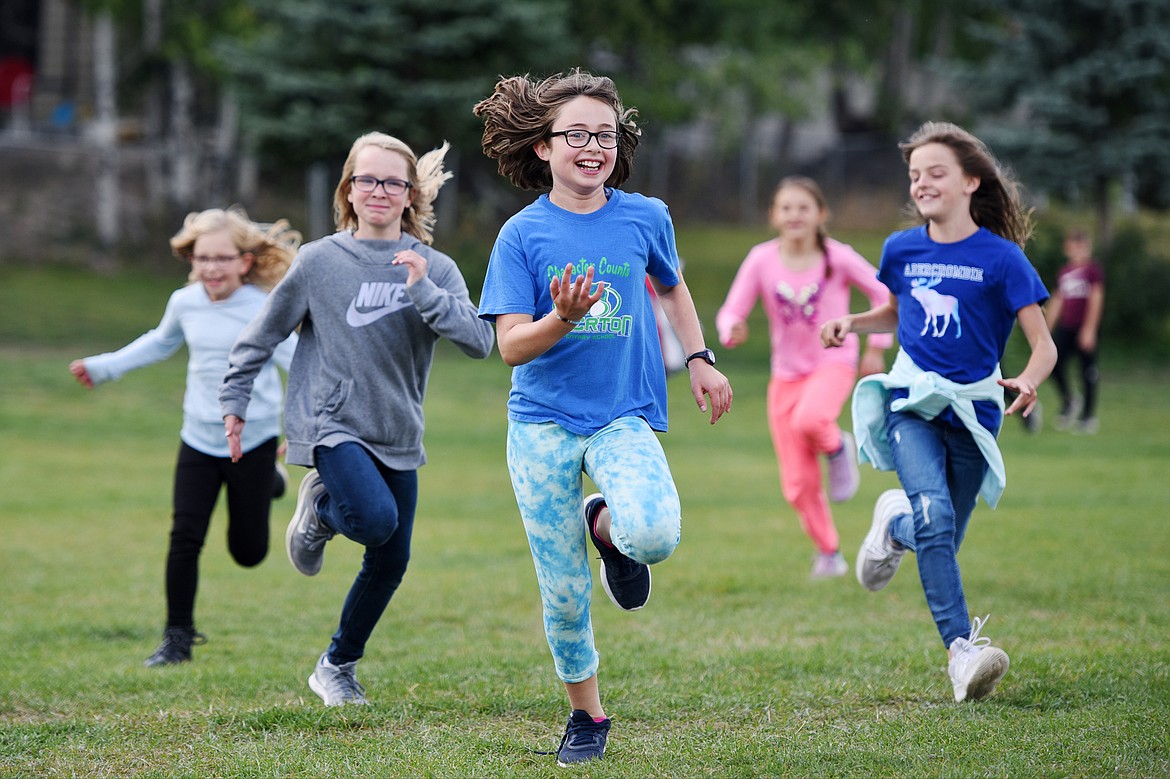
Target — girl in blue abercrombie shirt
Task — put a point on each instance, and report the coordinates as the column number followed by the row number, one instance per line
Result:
column 566, row 288
column 958, row 283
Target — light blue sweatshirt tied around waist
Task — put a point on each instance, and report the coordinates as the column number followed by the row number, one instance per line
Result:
column 930, row 394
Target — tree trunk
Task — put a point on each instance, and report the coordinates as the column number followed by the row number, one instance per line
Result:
column 182, row 147
column 104, row 132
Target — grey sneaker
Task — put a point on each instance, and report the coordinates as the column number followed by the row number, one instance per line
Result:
column 337, row 684
column 844, row 477
column 829, row 565
column 584, row 739
column 306, row 535
column 976, row 666
column 878, row 558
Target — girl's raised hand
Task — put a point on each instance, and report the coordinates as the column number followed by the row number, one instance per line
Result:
column 572, row 298
column 834, row 331
column 416, row 265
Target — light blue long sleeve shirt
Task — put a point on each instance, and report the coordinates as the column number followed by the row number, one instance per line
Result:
column 209, row 328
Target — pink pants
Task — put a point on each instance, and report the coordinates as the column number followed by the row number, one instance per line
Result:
column 802, row 415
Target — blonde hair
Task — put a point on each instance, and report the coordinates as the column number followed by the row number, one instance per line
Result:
column 272, row 246
column 996, row 204
column 520, row 112
column 425, row 174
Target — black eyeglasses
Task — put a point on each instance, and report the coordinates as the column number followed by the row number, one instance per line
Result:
column 579, row 139
column 369, row 184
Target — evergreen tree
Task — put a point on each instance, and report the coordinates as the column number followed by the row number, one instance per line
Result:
column 1076, row 94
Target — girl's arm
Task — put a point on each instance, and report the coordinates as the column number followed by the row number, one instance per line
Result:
column 679, row 307
column 150, row 347
column 522, row 339
column 1040, row 363
column 1087, row 338
column 731, row 319
column 883, row 319
column 1052, row 310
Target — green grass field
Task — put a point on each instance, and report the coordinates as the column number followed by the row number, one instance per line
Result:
column 740, row 665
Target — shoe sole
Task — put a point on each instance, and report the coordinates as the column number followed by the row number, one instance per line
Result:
column 304, row 498
column 848, row 441
column 874, row 536
column 990, row 667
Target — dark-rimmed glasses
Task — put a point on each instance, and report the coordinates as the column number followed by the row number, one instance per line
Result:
column 579, row 139
column 369, row 184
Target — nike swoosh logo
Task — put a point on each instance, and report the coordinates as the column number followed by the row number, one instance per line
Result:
column 357, row 318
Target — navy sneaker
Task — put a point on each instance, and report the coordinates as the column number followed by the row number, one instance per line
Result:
column 584, row 739
column 626, row 582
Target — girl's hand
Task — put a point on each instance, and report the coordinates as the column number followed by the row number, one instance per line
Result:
column 233, row 427
column 705, row 380
column 416, row 265
column 737, row 336
column 1026, row 397
column 571, row 297
column 77, row 368
column 834, row 331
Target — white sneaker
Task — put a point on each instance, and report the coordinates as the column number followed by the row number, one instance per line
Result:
column 844, row 476
column 829, row 565
column 337, row 684
column 976, row 666
column 878, row 559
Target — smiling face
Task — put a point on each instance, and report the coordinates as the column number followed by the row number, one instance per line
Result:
column 796, row 214
column 579, row 175
column 218, row 265
column 938, row 186
column 379, row 215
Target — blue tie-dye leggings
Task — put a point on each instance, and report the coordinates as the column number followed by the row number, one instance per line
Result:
column 626, row 462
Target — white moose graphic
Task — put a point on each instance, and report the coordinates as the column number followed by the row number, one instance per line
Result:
column 935, row 306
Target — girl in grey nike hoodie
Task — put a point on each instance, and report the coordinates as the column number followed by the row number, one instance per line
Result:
column 371, row 302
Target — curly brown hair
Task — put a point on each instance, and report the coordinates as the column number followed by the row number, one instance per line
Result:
column 520, row 112
column 426, row 177
column 272, row 246
column 996, row 204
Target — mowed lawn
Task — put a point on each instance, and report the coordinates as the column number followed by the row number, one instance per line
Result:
column 739, row 666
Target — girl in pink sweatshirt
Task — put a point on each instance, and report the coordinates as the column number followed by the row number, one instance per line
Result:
column 804, row 279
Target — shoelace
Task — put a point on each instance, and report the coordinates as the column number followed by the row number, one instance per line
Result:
column 977, row 641
column 342, row 683
column 578, row 734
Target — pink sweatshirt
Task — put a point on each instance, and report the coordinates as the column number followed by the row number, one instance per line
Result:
column 798, row 303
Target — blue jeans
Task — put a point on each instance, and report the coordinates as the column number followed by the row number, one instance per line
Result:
column 626, row 462
column 373, row 505
column 940, row 467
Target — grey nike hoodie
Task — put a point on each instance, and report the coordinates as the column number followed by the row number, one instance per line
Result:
column 366, row 344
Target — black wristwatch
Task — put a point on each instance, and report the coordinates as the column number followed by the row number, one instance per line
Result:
column 706, row 355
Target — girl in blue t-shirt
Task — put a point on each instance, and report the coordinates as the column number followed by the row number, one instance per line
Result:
column 566, row 288
column 958, row 283
column 234, row 262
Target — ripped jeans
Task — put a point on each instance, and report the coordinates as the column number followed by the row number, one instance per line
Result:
column 626, row 462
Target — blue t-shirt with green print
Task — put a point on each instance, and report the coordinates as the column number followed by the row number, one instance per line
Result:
column 610, row 366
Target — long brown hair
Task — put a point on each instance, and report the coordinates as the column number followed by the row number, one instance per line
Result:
column 996, row 204
column 814, row 189
column 520, row 111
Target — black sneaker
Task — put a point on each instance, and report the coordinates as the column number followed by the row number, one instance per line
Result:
column 175, row 647
column 626, row 582
column 584, row 739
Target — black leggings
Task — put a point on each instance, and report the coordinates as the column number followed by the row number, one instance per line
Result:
column 1066, row 347
column 198, row 478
